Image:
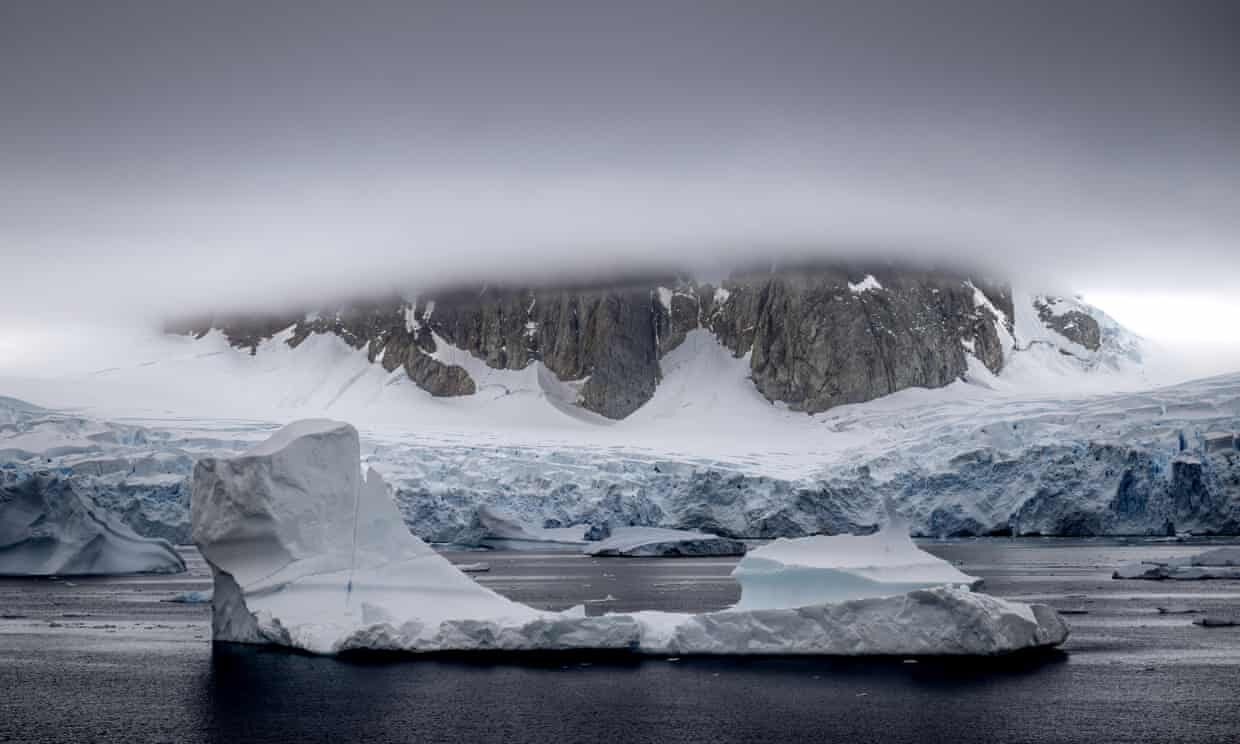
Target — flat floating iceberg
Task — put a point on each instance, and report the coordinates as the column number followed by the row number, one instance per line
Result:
column 820, row 569
column 307, row 553
column 641, row 542
column 47, row 528
column 498, row 530
column 1219, row 563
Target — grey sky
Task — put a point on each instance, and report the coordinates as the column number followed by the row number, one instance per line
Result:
column 162, row 155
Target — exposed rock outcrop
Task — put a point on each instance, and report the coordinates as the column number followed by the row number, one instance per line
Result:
column 816, row 337
column 1072, row 324
column 818, row 341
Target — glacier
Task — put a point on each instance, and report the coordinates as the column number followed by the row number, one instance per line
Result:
column 308, row 553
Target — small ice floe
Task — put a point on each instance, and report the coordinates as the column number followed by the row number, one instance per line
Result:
column 196, row 597
column 361, row 580
column 1212, row 621
column 1177, row 610
column 494, row 528
column 1219, row 563
column 642, row 542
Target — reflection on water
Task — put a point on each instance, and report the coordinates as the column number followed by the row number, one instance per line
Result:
column 268, row 695
column 105, row 660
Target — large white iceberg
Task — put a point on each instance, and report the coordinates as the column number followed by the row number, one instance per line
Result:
column 642, row 542
column 309, row 554
column 821, row 569
column 47, row 528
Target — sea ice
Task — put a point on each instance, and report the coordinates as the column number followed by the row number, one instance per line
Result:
column 307, row 553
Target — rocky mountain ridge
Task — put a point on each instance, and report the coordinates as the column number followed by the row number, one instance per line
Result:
column 815, row 338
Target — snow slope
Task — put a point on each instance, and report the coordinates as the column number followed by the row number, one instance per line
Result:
column 1036, row 449
column 704, row 388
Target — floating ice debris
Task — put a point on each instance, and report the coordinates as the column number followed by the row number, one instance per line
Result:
column 1219, row 563
column 640, row 542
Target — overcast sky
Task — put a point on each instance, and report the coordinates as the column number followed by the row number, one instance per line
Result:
column 158, row 157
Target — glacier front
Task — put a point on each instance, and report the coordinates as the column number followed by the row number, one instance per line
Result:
column 307, row 553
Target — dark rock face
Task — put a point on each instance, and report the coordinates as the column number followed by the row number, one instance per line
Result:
column 607, row 335
column 437, row 378
column 817, row 337
column 817, row 341
column 1073, row 325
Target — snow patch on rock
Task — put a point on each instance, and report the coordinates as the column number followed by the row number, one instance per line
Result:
column 868, row 284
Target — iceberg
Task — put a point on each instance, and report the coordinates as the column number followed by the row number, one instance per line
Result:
column 496, row 530
column 641, row 542
column 48, row 528
column 1219, row 563
column 820, row 569
column 308, row 553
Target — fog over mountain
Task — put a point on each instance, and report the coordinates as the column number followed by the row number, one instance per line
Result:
column 161, row 156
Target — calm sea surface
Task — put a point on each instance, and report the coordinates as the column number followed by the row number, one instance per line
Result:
column 108, row 659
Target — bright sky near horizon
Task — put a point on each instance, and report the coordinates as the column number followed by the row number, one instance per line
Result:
column 1184, row 317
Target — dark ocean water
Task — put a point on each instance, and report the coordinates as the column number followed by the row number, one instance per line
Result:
column 106, row 660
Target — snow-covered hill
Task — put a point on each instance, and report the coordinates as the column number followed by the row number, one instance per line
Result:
column 704, row 386
column 1033, row 449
